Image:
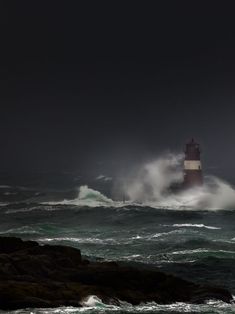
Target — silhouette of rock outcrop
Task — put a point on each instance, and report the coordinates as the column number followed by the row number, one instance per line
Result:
column 33, row 275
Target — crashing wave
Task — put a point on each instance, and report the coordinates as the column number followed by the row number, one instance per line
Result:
column 150, row 185
column 88, row 197
column 92, row 304
column 219, row 196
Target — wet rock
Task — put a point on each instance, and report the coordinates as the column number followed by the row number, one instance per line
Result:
column 12, row 244
column 33, row 275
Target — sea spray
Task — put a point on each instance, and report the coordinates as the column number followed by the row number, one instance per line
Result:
column 152, row 180
column 220, row 196
column 153, row 185
column 87, row 197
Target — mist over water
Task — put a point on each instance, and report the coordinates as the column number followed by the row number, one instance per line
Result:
column 158, row 184
column 151, row 181
column 153, row 184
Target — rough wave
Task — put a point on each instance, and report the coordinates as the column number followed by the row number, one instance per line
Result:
column 93, row 305
column 157, row 184
column 150, row 182
column 92, row 301
column 215, row 194
column 88, row 197
column 218, row 196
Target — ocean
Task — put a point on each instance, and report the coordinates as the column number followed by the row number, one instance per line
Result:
column 193, row 242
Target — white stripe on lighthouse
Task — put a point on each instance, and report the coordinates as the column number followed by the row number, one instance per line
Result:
column 192, row 165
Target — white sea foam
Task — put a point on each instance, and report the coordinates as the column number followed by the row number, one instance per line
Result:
column 91, row 301
column 196, row 226
column 157, row 235
column 88, row 197
column 131, row 257
column 46, row 207
column 150, row 185
column 110, row 241
column 21, row 230
column 201, row 250
column 94, row 305
column 150, row 181
column 88, row 240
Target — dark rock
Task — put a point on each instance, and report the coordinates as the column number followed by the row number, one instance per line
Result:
column 50, row 276
column 12, row 244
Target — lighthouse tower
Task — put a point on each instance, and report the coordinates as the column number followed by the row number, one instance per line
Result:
column 192, row 165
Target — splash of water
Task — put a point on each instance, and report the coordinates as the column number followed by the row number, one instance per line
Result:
column 151, row 181
column 152, row 185
column 87, row 197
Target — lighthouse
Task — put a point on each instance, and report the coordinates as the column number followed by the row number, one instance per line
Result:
column 192, row 165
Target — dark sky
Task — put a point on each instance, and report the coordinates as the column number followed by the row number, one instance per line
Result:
column 87, row 85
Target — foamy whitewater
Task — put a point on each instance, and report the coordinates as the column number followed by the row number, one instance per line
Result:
column 137, row 219
column 150, row 185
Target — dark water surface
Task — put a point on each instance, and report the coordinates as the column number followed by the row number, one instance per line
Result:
column 194, row 244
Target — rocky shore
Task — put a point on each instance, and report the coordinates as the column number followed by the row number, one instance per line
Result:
column 33, row 275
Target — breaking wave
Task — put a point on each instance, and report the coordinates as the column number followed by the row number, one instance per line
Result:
column 93, row 305
column 157, row 184
column 211, row 306
column 217, row 197
column 88, row 197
